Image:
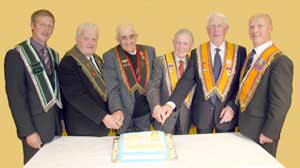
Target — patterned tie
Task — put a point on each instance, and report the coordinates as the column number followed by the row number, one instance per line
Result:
column 249, row 63
column 217, row 64
column 46, row 59
column 181, row 68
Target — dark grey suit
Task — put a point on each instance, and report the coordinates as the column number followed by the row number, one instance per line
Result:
column 205, row 114
column 270, row 103
column 84, row 109
column 158, row 94
column 25, row 105
column 118, row 95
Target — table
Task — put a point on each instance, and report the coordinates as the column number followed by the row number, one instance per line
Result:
column 222, row 150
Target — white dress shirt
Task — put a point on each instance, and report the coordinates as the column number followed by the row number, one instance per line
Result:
column 177, row 59
column 213, row 52
column 92, row 59
column 259, row 50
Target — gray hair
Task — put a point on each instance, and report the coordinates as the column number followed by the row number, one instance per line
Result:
column 124, row 26
column 184, row 31
column 216, row 14
column 85, row 26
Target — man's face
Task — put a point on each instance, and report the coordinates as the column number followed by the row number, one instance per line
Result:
column 87, row 41
column 42, row 29
column 259, row 30
column 127, row 39
column 182, row 44
column 217, row 30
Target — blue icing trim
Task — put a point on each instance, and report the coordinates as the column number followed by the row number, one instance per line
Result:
column 140, row 156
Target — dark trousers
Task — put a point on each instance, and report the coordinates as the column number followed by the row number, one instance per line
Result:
column 210, row 130
column 271, row 148
column 140, row 124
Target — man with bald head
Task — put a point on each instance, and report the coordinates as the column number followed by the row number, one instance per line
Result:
column 128, row 68
column 167, row 70
column 84, row 93
column 265, row 89
column 214, row 68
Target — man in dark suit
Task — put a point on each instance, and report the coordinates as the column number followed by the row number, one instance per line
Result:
column 127, row 70
column 167, row 70
column 215, row 68
column 83, row 88
column 265, row 89
column 32, row 86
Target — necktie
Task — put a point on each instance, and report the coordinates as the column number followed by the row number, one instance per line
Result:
column 217, row 70
column 217, row 64
column 253, row 52
column 46, row 59
column 181, row 68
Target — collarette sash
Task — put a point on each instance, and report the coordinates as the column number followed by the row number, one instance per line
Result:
column 90, row 71
column 251, row 80
column 132, row 80
column 172, row 76
column 48, row 95
column 223, row 84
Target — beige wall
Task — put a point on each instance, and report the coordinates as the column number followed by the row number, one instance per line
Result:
column 156, row 21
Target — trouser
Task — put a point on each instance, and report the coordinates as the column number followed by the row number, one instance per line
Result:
column 271, row 148
column 139, row 124
column 210, row 130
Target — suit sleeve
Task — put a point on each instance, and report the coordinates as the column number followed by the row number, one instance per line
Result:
column 280, row 96
column 186, row 82
column 16, row 90
column 155, row 83
column 112, row 83
column 60, row 111
column 76, row 93
column 240, row 62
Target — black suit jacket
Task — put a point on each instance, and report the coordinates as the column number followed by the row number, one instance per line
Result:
column 203, row 111
column 24, row 102
column 84, row 109
column 271, row 101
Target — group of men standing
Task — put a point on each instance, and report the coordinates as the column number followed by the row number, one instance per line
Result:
column 215, row 86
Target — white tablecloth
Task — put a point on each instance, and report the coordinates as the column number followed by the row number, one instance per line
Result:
column 223, row 150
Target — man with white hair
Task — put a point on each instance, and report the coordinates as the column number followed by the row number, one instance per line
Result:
column 265, row 92
column 214, row 68
column 167, row 70
column 83, row 88
column 128, row 68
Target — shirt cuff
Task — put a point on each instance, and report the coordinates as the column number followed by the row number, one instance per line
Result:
column 172, row 104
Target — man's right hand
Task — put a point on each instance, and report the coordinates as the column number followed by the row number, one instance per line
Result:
column 158, row 113
column 167, row 110
column 34, row 140
column 111, row 123
column 118, row 115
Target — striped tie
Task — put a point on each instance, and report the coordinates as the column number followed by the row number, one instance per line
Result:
column 46, row 59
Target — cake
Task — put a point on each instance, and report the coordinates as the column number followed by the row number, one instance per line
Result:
column 143, row 146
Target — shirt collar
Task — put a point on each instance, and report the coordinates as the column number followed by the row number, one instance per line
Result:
column 131, row 53
column 89, row 57
column 222, row 46
column 177, row 59
column 38, row 46
column 263, row 47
